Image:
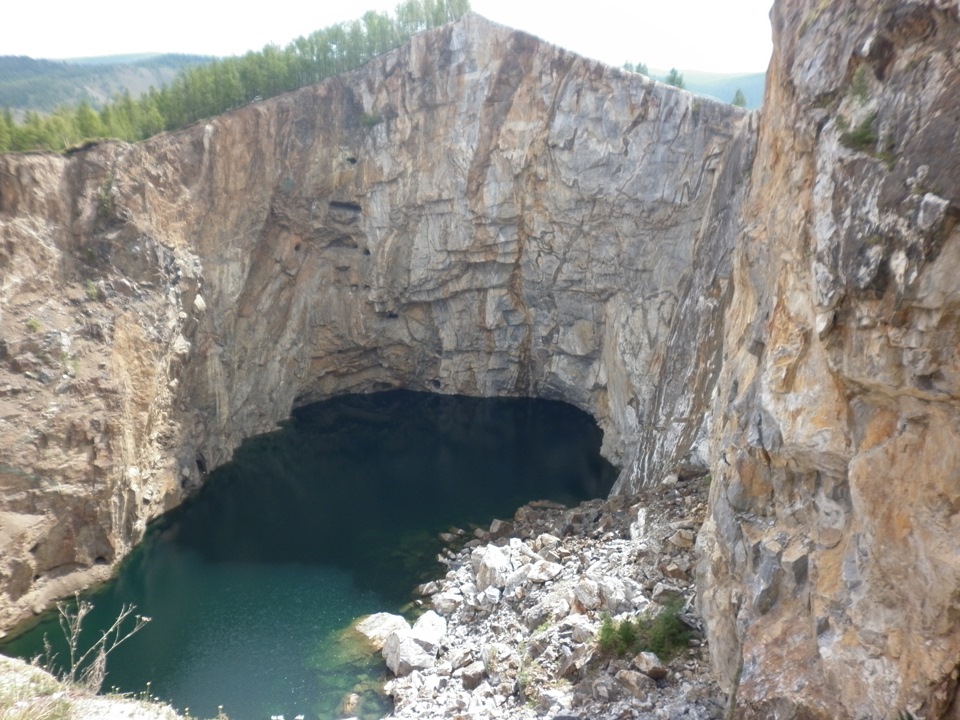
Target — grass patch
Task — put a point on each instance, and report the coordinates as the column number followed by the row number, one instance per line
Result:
column 37, row 698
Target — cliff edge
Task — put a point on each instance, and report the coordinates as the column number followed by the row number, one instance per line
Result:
column 829, row 560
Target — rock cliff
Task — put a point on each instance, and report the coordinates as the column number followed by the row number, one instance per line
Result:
column 477, row 213
column 830, row 561
column 482, row 213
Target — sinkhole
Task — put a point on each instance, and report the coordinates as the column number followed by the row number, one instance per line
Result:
column 250, row 584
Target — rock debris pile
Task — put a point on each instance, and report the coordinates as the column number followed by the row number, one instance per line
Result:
column 512, row 630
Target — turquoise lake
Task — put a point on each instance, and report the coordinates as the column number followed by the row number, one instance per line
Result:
column 335, row 515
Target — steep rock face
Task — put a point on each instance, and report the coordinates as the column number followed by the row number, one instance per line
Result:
column 475, row 213
column 830, row 561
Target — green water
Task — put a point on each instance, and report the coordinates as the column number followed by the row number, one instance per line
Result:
column 332, row 517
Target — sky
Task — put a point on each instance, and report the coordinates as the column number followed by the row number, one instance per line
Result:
column 707, row 35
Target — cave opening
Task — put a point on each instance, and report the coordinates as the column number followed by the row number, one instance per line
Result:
column 335, row 515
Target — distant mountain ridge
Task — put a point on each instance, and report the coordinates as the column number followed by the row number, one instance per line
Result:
column 41, row 85
column 721, row 86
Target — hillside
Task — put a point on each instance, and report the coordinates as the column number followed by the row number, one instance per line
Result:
column 42, row 85
column 723, row 86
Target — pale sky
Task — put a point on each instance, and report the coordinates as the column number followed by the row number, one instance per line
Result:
column 708, row 35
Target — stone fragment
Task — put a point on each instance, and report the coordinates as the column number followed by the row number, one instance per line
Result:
column 545, row 541
column 428, row 588
column 673, row 571
column 349, row 705
column 491, row 566
column 403, row 654
column 580, row 628
column 500, row 528
column 573, row 662
column 636, row 683
column 649, row 664
column 489, row 597
column 429, row 630
column 795, row 563
column 683, row 539
column 543, row 571
column 605, row 689
column 587, row 593
column 613, row 596
column 473, row 675
column 664, row 593
column 447, row 602
column 534, row 617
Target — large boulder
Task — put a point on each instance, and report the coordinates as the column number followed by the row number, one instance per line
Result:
column 378, row 627
column 491, row 565
column 403, row 654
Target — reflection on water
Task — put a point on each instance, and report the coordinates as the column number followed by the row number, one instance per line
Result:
column 331, row 517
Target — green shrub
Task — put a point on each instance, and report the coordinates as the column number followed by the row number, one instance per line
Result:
column 608, row 639
column 863, row 137
column 664, row 634
column 105, row 200
column 860, row 87
column 370, row 120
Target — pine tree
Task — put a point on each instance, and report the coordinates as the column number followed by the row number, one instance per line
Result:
column 6, row 131
column 739, row 99
column 675, row 78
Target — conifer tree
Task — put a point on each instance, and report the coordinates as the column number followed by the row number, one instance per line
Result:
column 675, row 78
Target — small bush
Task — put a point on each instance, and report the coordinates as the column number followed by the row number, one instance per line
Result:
column 860, row 87
column 608, row 639
column 33, row 325
column 863, row 137
column 369, row 120
column 665, row 634
column 105, row 200
column 618, row 637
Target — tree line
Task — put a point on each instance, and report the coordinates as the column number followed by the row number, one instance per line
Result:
column 207, row 90
column 675, row 78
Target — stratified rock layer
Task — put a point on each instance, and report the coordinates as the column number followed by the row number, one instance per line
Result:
column 831, row 560
column 477, row 213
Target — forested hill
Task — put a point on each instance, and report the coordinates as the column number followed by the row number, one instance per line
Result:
column 212, row 88
column 724, row 86
column 27, row 84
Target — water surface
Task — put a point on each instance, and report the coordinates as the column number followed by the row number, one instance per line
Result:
column 335, row 515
